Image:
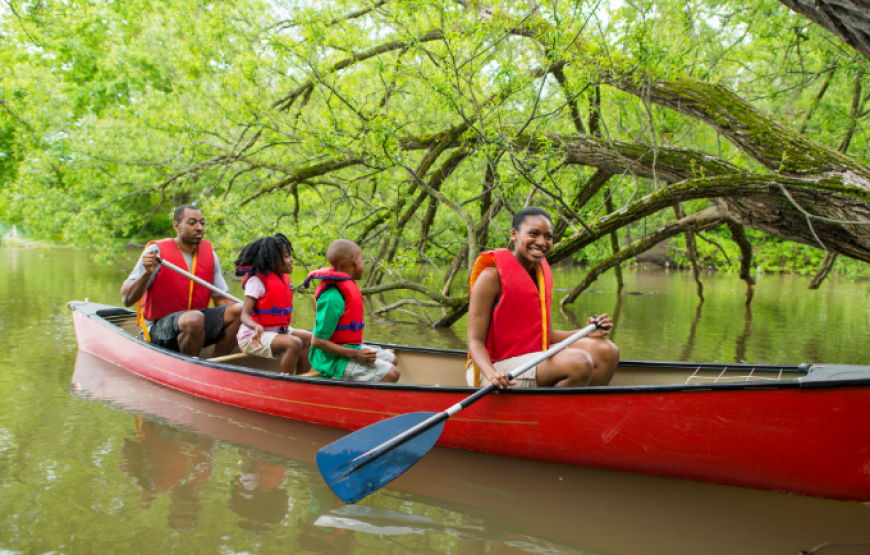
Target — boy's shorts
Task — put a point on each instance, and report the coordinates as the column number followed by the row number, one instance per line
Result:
column 528, row 379
column 265, row 350
column 364, row 372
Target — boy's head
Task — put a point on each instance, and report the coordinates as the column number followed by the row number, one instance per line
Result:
column 346, row 256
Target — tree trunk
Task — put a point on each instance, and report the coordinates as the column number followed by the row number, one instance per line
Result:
column 823, row 270
column 739, row 236
column 692, row 251
column 704, row 219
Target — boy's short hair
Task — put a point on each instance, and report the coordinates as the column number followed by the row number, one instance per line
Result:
column 339, row 249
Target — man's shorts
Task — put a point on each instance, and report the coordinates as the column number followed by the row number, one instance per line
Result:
column 164, row 333
column 364, row 372
column 265, row 350
column 528, row 379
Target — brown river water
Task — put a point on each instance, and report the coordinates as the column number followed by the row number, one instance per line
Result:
column 94, row 459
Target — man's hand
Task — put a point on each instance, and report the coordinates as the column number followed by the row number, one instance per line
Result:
column 366, row 355
column 258, row 334
column 149, row 260
column 606, row 325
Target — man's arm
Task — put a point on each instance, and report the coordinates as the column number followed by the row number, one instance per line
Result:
column 219, row 282
column 482, row 299
column 132, row 290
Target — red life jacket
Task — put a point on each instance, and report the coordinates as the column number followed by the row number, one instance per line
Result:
column 275, row 307
column 351, row 324
column 171, row 292
column 520, row 322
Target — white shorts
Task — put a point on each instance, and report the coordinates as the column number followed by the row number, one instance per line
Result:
column 364, row 372
column 265, row 350
column 528, row 379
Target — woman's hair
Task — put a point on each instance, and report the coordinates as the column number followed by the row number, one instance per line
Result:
column 264, row 254
column 521, row 216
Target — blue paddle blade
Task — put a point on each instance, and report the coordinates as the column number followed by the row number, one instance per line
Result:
column 352, row 479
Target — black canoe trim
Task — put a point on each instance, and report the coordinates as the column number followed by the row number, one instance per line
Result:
column 104, row 313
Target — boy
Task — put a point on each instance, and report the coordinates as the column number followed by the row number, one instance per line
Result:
column 337, row 350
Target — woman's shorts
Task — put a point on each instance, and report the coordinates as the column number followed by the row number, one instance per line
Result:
column 528, row 379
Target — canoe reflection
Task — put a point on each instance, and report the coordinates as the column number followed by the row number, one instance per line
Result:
column 452, row 501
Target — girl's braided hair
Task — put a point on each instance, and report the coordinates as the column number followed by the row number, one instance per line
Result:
column 265, row 254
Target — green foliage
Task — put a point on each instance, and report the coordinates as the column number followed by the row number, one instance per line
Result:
column 289, row 117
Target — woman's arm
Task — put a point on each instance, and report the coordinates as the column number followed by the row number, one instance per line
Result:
column 482, row 299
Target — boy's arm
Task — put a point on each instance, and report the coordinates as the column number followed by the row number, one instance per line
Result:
column 327, row 346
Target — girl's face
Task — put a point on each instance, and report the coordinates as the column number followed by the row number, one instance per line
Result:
column 287, row 268
column 534, row 240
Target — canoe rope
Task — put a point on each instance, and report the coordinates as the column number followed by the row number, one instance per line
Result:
column 721, row 375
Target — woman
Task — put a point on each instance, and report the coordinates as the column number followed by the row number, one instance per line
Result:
column 509, row 317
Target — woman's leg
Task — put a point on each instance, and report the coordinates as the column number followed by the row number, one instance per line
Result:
column 568, row 368
column 605, row 358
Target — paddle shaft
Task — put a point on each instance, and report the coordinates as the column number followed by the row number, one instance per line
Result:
column 436, row 419
column 192, row 277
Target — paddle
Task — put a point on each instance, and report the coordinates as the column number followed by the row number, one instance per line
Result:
column 190, row 276
column 368, row 459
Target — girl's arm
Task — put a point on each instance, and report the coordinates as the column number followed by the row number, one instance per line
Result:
column 247, row 310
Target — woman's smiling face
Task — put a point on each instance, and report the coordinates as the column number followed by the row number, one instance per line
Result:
column 534, row 240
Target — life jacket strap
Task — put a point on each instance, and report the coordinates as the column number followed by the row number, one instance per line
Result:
column 353, row 326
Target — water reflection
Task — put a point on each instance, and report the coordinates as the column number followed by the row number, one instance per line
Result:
column 164, row 460
column 451, row 502
column 686, row 353
column 257, row 492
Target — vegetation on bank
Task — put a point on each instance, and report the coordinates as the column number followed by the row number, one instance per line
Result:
column 417, row 128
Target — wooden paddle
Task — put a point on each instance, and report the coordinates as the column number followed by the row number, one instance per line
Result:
column 365, row 461
column 190, row 276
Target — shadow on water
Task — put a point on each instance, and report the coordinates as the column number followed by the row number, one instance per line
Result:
column 451, row 502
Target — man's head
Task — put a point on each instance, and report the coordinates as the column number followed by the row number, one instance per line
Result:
column 189, row 224
column 346, row 256
column 532, row 234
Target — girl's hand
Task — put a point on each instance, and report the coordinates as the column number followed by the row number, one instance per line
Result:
column 258, row 333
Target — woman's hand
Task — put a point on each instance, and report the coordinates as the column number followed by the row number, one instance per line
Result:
column 605, row 323
column 500, row 379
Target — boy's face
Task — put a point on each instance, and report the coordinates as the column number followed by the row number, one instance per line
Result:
column 358, row 264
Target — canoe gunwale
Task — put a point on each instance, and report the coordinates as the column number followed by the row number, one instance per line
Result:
column 100, row 313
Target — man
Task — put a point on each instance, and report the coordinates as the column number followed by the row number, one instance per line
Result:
column 174, row 308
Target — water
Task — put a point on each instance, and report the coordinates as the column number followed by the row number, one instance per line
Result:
column 96, row 460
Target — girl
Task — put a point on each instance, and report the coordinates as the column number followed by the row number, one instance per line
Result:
column 268, row 308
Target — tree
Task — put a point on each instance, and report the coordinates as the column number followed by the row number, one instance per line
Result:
column 418, row 128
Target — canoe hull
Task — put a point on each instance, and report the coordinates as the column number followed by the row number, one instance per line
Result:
column 807, row 441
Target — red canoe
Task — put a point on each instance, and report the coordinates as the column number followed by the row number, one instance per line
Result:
column 783, row 428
